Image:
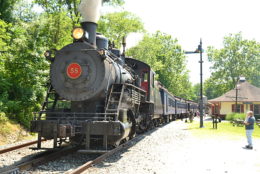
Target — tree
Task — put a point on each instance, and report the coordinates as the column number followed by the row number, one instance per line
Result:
column 114, row 2
column 239, row 57
column 195, row 92
column 4, row 47
column 4, row 36
column 25, row 71
column 6, row 9
column 119, row 24
column 165, row 57
column 23, row 11
column 70, row 7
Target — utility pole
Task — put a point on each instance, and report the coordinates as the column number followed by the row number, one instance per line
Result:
column 199, row 50
column 201, row 85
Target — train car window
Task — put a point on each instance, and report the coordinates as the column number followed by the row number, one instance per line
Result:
column 144, row 81
column 145, row 77
column 171, row 102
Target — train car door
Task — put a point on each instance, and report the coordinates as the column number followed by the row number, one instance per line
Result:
column 147, row 84
column 163, row 99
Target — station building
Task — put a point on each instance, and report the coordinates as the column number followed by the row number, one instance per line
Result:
column 245, row 97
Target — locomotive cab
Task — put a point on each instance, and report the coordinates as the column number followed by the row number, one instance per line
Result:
column 146, row 77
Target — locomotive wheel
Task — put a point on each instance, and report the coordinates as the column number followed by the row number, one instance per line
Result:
column 155, row 123
column 117, row 143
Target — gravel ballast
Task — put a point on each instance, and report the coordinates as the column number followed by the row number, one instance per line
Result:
column 22, row 154
column 170, row 149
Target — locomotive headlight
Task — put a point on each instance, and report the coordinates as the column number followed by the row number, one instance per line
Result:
column 78, row 33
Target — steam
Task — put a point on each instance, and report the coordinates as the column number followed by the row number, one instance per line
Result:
column 90, row 10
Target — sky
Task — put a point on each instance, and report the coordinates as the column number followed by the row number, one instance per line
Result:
column 190, row 20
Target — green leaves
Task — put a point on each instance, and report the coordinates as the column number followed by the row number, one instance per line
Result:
column 4, row 36
column 114, row 2
column 116, row 25
column 165, row 57
column 239, row 57
column 6, row 8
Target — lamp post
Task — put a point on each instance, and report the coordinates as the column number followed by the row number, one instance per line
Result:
column 237, row 88
column 199, row 50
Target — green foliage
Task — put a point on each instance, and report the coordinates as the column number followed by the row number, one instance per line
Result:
column 24, row 73
column 114, row 2
column 165, row 57
column 23, row 11
column 6, row 8
column 195, row 92
column 234, row 116
column 4, row 36
column 54, row 7
column 239, row 57
column 55, row 30
column 116, row 25
column 3, row 118
column 70, row 7
column 4, row 47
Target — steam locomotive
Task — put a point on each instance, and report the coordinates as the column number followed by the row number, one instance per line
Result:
column 98, row 97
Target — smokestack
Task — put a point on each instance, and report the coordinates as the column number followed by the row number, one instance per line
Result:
column 90, row 12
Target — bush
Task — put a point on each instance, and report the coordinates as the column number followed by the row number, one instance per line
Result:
column 239, row 116
column 3, row 118
column 234, row 116
column 230, row 116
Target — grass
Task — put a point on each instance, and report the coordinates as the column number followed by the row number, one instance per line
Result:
column 234, row 116
column 11, row 132
column 225, row 129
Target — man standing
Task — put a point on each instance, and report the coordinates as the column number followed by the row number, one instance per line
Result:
column 249, row 125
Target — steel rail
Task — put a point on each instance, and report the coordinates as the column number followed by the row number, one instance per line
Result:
column 26, row 165
column 89, row 164
column 18, row 146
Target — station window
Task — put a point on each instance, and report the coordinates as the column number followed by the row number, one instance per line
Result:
column 238, row 109
column 256, row 109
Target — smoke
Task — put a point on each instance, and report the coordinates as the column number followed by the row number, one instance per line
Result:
column 90, row 10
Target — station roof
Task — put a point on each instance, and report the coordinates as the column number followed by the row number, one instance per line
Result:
column 245, row 93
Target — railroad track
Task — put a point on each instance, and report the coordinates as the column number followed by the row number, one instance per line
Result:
column 102, row 157
column 9, row 149
column 53, row 155
column 37, row 160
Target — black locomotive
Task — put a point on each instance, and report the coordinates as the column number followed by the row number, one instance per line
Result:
column 98, row 97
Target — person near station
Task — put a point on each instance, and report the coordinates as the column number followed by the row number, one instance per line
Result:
column 249, row 125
